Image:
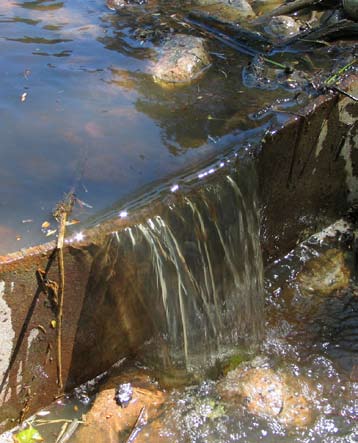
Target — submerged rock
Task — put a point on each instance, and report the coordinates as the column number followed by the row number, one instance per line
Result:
column 183, row 58
column 224, row 11
column 107, row 421
column 324, row 274
column 268, row 393
column 124, row 394
column 119, row 4
column 283, row 26
column 241, row 6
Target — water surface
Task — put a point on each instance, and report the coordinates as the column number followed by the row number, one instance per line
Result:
column 80, row 110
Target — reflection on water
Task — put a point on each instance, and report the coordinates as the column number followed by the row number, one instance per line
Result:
column 79, row 109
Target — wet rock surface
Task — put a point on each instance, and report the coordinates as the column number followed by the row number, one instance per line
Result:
column 107, row 421
column 120, row 4
column 283, row 26
column 268, row 393
column 183, row 58
column 225, row 11
column 324, row 274
column 351, row 8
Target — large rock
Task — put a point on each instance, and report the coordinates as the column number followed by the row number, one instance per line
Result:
column 324, row 274
column 268, row 393
column 183, row 58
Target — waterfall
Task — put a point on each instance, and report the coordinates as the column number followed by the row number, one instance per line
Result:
column 201, row 263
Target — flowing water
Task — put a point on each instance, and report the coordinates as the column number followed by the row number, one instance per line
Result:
column 310, row 336
column 203, row 268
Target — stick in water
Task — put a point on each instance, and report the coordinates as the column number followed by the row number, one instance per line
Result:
column 61, row 213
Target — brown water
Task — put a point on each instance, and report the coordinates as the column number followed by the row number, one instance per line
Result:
column 80, row 110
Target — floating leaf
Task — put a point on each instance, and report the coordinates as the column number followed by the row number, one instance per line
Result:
column 29, row 435
column 46, row 224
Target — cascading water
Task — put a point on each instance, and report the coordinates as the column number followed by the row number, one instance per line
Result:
column 201, row 263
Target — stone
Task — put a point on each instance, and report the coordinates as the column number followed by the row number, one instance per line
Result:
column 107, row 422
column 283, row 26
column 242, row 7
column 119, row 4
column 224, row 12
column 183, row 58
column 324, row 274
column 268, row 393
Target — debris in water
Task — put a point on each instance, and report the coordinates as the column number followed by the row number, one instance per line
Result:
column 23, row 97
column 51, row 232
column 67, row 432
column 45, row 224
column 140, row 422
column 124, row 394
column 72, row 222
column 43, row 413
column 29, row 435
column 61, row 214
column 83, row 204
column 27, row 73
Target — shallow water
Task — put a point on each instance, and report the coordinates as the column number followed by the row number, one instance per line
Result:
column 80, row 110
column 310, row 336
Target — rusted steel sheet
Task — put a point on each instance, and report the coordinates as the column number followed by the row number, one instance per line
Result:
column 307, row 175
column 308, row 171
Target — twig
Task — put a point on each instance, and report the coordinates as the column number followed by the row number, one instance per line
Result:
column 61, row 213
column 347, row 94
column 137, row 426
column 232, row 42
